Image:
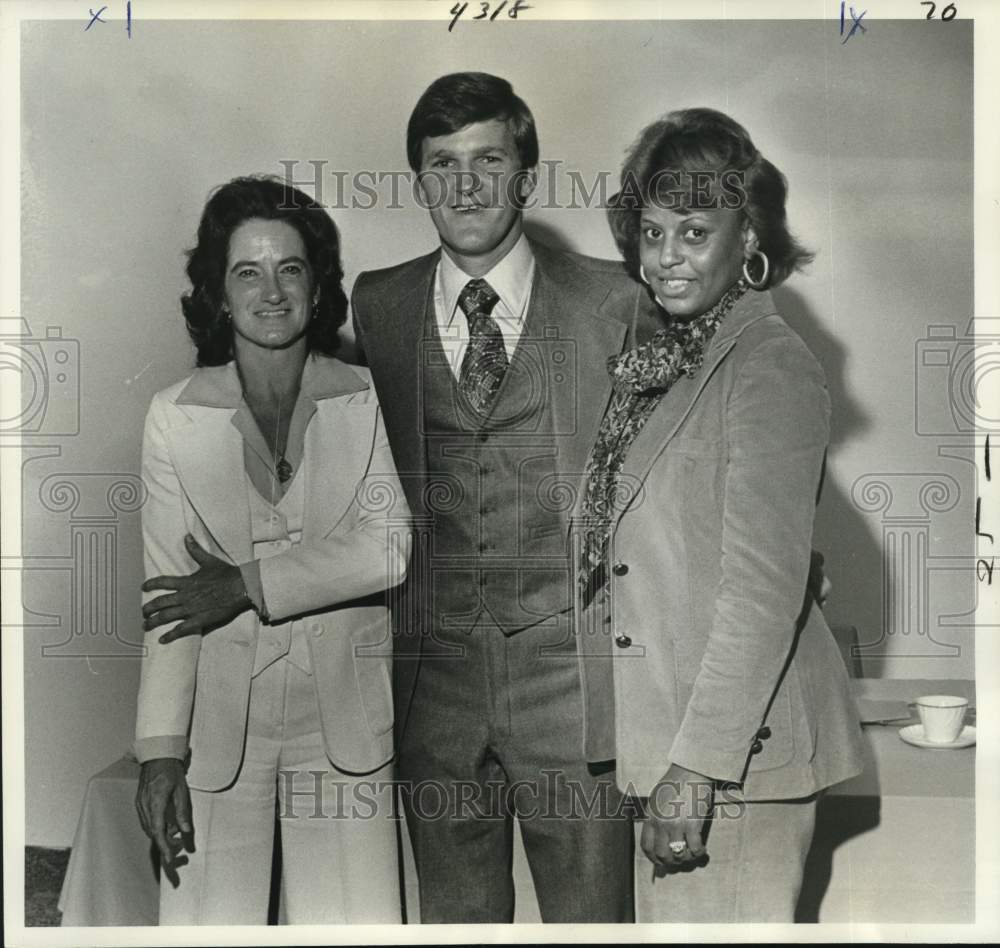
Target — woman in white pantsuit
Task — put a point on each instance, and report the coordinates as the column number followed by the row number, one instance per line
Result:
column 269, row 476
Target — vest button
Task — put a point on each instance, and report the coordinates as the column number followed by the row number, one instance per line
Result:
column 620, row 569
column 764, row 733
column 756, row 747
column 622, row 641
column 482, row 437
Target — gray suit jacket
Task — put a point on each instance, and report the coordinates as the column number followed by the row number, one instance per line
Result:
column 587, row 301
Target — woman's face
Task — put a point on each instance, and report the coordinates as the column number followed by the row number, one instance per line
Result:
column 269, row 284
column 691, row 257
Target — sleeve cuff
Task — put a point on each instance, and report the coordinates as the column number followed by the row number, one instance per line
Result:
column 254, row 586
column 170, row 745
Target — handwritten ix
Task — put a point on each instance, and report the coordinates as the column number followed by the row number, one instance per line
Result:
column 856, row 23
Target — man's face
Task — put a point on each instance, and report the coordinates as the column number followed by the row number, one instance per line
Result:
column 472, row 181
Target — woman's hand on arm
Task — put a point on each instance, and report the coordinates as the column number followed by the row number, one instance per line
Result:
column 164, row 807
column 208, row 598
column 678, row 807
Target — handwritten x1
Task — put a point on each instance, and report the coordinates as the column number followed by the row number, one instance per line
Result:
column 96, row 18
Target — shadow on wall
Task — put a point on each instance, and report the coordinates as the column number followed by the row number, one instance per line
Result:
column 848, row 540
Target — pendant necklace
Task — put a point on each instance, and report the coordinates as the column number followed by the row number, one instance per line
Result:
column 282, row 467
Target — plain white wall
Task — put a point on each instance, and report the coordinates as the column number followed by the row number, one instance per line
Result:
column 122, row 140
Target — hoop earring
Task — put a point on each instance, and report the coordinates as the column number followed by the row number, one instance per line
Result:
column 642, row 274
column 762, row 282
column 315, row 309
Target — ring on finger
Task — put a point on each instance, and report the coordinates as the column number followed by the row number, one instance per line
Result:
column 677, row 846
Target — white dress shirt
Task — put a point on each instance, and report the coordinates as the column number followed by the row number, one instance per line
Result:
column 511, row 279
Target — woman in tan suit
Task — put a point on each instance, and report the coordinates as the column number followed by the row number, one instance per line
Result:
column 269, row 475
column 709, row 673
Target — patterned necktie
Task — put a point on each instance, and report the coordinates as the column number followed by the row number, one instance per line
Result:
column 485, row 359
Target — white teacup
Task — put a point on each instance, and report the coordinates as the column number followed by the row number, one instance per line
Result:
column 942, row 717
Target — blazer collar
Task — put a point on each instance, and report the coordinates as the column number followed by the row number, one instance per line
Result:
column 218, row 386
column 208, row 451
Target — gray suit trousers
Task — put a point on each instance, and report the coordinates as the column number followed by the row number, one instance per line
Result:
column 494, row 734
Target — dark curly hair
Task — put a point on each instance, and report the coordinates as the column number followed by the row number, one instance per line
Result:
column 269, row 198
column 461, row 98
column 689, row 141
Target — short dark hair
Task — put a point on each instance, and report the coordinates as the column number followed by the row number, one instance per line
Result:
column 461, row 98
column 269, row 198
column 694, row 140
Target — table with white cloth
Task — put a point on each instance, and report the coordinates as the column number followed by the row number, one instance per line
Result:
column 896, row 844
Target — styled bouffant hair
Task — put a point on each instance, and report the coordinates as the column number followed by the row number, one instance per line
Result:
column 691, row 142
column 461, row 98
column 269, row 198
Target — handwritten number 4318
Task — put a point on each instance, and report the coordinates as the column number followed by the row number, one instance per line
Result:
column 948, row 13
column 459, row 9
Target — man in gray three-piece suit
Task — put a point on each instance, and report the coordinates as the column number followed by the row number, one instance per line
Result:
column 488, row 357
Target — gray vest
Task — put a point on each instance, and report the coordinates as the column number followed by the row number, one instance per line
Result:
column 498, row 534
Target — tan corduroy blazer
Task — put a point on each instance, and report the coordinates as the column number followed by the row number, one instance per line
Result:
column 730, row 669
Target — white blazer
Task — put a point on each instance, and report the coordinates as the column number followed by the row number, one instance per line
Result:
column 354, row 547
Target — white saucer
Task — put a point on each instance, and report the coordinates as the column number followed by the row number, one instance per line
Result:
column 914, row 734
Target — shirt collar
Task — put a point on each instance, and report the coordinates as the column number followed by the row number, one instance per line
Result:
column 510, row 278
column 218, row 386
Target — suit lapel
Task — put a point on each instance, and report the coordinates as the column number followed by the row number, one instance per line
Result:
column 208, row 455
column 575, row 335
column 398, row 329
column 334, row 473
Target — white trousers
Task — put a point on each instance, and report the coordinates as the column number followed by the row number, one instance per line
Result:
column 338, row 832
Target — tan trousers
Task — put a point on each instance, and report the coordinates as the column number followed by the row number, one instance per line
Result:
column 338, row 832
column 756, row 857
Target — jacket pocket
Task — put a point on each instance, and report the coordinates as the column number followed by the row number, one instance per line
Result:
column 375, row 688
column 778, row 749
